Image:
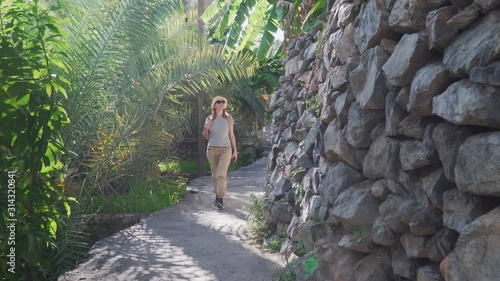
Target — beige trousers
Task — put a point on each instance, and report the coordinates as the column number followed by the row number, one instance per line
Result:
column 219, row 159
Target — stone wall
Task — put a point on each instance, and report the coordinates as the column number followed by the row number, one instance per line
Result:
column 385, row 162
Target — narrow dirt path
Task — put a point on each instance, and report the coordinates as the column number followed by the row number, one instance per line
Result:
column 189, row 241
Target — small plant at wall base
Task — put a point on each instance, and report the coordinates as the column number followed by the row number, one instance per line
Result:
column 286, row 274
column 362, row 232
column 275, row 246
column 258, row 227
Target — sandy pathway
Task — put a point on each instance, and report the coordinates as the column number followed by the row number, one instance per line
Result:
column 189, row 241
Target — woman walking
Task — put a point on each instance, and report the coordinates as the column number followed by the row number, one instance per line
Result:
column 221, row 146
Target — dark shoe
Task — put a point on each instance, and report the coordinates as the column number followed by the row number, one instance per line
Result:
column 216, row 201
column 219, row 203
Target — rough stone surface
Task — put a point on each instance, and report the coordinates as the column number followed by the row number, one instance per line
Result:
column 477, row 46
column 477, row 250
column 478, row 165
column 430, row 81
column 368, row 80
column 468, row 103
column 429, row 161
column 410, row 55
column 373, row 26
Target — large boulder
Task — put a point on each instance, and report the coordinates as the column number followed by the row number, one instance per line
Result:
column 382, row 159
column 410, row 55
column 477, row 46
column 394, row 114
column 476, row 253
column 448, row 138
column 361, row 123
column 430, row 81
column 478, row 165
column 339, row 177
column 440, row 32
column 356, row 207
column 409, row 16
column 469, row 103
column 373, row 26
column 461, row 208
column 368, row 80
column 336, row 145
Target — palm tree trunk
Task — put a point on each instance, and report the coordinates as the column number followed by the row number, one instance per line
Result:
column 202, row 5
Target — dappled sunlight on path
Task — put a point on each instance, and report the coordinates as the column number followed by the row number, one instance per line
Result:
column 189, row 241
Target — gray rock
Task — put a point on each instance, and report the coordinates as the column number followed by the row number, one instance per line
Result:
column 292, row 117
column 399, row 19
column 342, row 105
column 382, row 160
column 414, row 245
column 397, row 212
column 354, row 243
column 430, row 81
column 476, row 253
column 290, row 151
column 461, row 4
column 328, row 114
column 426, row 221
column 429, row 272
column 440, row 32
column 280, row 186
column 338, row 178
column 279, row 114
column 336, row 146
column 307, row 120
column 414, row 155
column 377, row 132
column 361, row 123
column 402, row 265
column 487, row 5
column 343, row 13
column 441, row 244
column 382, row 234
column 403, row 97
column 394, row 114
column 292, row 66
column 477, row 46
column 388, row 45
column 448, row 138
column 333, row 263
column 342, row 44
column 339, row 78
column 410, row 55
column 313, row 207
column 373, row 26
column 371, row 269
column 283, row 212
column 464, row 17
column 489, row 74
column 478, row 165
column 414, row 125
column 379, row 189
column 368, row 81
column 469, row 103
column 356, row 207
column 409, row 16
column 460, row 209
column 435, row 184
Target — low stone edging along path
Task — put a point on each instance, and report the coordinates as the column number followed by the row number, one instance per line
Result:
column 188, row 241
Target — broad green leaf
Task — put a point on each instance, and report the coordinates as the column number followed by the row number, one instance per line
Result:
column 228, row 19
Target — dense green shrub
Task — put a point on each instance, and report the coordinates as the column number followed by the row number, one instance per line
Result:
column 32, row 86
